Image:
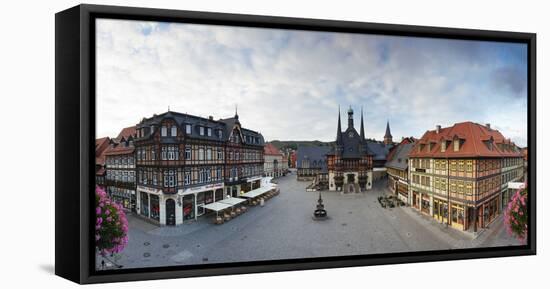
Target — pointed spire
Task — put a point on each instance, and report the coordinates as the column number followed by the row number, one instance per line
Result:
column 388, row 133
column 236, row 114
column 388, row 137
column 339, row 130
column 362, row 130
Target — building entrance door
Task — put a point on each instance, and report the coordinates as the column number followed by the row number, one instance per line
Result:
column 170, row 212
column 351, row 178
column 441, row 211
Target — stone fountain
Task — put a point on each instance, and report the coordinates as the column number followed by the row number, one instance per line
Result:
column 320, row 213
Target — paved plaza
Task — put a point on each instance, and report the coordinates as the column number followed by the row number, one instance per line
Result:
column 284, row 229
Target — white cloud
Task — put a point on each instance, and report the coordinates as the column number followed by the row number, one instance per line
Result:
column 288, row 84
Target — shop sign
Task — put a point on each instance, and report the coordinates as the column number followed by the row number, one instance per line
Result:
column 201, row 188
column 149, row 190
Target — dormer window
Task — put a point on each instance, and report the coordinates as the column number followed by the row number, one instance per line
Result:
column 443, row 146
column 421, row 147
column 188, row 129
column 220, row 134
column 456, row 145
column 201, row 130
column 164, row 131
column 209, row 131
column 489, row 144
column 174, row 130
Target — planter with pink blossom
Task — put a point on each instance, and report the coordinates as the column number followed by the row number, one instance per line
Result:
column 516, row 216
column 111, row 225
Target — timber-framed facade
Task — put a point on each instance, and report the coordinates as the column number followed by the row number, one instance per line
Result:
column 459, row 175
column 184, row 162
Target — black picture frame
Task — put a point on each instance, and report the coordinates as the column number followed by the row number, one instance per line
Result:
column 75, row 137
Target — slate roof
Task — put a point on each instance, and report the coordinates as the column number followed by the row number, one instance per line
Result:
column 378, row 150
column 250, row 137
column 474, row 138
column 352, row 144
column 400, row 156
column 315, row 154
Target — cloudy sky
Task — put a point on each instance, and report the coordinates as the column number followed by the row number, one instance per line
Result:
column 288, row 84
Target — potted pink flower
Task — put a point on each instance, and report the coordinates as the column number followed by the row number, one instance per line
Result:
column 516, row 216
column 111, row 225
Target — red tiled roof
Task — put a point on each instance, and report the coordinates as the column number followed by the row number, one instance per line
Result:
column 126, row 133
column 473, row 138
column 101, row 145
column 100, row 142
column 119, row 150
column 405, row 140
column 270, row 149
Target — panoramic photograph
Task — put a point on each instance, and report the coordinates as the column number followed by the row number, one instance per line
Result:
column 222, row 144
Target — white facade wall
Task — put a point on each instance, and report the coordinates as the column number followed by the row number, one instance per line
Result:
column 269, row 169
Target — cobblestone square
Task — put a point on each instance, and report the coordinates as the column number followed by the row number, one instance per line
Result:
column 284, row 229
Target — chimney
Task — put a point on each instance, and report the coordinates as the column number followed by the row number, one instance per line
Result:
column 488, row 125
column 437, row 128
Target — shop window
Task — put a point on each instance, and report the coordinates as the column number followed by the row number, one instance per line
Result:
column 209, row 197
column 155, row 209
column 144, row 210
column 188, row 207
column 200, row 202
column 219, row 195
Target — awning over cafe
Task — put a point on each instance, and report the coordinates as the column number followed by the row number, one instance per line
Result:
column 258, row 192
column 217, row 206
column 232, row 201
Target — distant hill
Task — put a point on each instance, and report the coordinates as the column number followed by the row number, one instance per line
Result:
column 292, row 144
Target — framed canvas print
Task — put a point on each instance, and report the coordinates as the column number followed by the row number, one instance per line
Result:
column 196, row 144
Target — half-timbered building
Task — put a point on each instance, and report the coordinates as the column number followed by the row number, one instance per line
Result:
column 120, row 179
column 459, row 175
column 101, row 145
column 185, row 161
column 349, row 162
column 398, row 169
